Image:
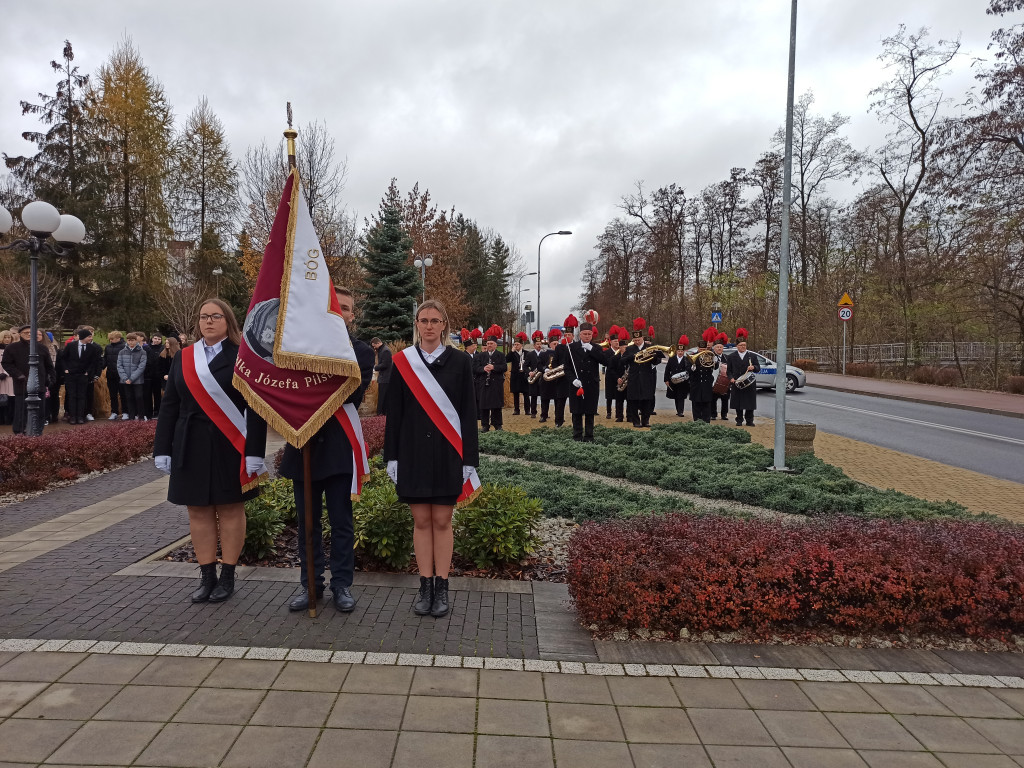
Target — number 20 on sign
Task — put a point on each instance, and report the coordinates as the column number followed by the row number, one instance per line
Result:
column 845, row 313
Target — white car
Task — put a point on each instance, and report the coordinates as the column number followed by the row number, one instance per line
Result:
column 795, row 377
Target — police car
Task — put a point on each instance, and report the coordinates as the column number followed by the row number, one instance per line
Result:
column 765, row 378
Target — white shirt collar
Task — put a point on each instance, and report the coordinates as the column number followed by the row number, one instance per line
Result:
column 432, row 356
column 215, row 347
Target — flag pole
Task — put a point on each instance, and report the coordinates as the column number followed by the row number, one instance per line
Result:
column 307, row 472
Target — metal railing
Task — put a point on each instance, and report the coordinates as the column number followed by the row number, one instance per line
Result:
column 930, row 352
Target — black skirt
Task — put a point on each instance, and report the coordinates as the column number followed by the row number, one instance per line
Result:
column 441, row 501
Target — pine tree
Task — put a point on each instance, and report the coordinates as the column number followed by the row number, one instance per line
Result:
column 393, row 285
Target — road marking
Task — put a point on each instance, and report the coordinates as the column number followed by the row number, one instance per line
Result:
column 906, row 420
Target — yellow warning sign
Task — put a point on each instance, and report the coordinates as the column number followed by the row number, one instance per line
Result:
column 846, row 301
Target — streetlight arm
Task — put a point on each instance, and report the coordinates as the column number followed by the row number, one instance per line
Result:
column 549, row 234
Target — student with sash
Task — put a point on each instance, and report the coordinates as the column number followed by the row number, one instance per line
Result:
column 337, row 464
column 212, row 446
column 430, row 446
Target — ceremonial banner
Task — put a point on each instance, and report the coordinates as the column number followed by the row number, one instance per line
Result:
column 295, row 366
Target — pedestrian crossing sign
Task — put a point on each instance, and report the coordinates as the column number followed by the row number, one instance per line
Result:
column 846, row 301
column 716, row 317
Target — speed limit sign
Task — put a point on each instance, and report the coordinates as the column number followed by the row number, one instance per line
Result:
column 845, row 313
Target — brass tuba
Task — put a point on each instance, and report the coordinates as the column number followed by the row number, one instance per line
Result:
column 646, row 355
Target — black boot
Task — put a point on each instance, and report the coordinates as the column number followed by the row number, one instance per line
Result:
column 225, row 584
column 208, row 580
column 439, row 607
column 425, row 597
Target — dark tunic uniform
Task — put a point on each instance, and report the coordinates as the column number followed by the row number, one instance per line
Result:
column 744, row 401
column 548, row 389
column 701, row 394
column 533, row 390
column 205, row 466
column 677, row 392
column 612, row 373
column 518, row 369
column 429, row 468
column 490, row 387
column 588, row 368
column 641, row 386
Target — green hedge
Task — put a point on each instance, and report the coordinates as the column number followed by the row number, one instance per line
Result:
column 716, row 463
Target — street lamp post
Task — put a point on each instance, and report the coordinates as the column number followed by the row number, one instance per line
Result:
column 426, row 261
column 519, row 293
column 217, row 272
column 549, row 234
column 42, row 220
column 519, row 308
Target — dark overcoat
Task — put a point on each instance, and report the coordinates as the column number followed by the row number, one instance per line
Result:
column 675, row 365
column 701, row 382
column 490, row 386
column 532, row 364
column 428, row 465
column 588, row 367
column 643, row 377
column 204, row 464
column 331, row 453
column 383, row 366
column 742, row 399
column 519, row 369
column 15, row 362
column 612, row 373
column 546, row 360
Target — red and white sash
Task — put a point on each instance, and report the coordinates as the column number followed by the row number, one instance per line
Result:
column 216, row 404
column 436, row 403
column 348, row 417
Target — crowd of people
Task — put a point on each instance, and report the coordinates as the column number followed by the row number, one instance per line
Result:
column 135, row 368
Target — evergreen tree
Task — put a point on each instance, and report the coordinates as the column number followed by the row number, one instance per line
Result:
column 393, row 285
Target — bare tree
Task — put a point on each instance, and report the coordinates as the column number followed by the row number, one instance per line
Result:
column 15, row 297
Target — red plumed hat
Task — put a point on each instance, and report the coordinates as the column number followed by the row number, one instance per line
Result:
column 465, row 335
column 570, row 322
column 709, row 335
column 538, row 334
column 742, row 334
column 684, row 341
column 554, row 334
column 638, row 327
column 722, row 338
column 613, row 332
column 522, row 337
column 623, row 334
column 650, row 331
column 475, row 334
column 495, row 332
column 591, row 316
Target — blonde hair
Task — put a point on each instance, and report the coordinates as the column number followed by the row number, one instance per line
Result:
column 114, row 336
column 446, row 332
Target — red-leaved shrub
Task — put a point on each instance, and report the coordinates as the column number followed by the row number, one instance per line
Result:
column 1015, row 385
column 373, row 434
column 862, row 369
column 853, row 575
column 33, row 463
column 806, row 364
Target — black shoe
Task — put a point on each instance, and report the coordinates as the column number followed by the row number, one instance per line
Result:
column 225, row 584
column 588, row 438
column 637, row 424
column 533, row 415
column 439, row 606
column 499, row 429
column 680, row 415
column 557, row 424
column 300, row 601
column 425, row 597
column 739, row 422
column 542, row 419
column 515, row 413
column 714, row 418
column 343, row 600
column 207, row 583
column 618, row 418
column 646, row 423
column 750, row 423
column 578, row 438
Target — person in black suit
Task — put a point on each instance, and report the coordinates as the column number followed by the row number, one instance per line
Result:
column 15, row 362
column 383, row 369
column 585, row 361
column 678, row 364
column 489, row 367
column 203, row 464
column 427, row 471
column 549, row 389
column 331, row 471
column 642, row 378
column 613, row 371
column 744, row 401
column 533, row 363
column 702, row 379
column 721, row 401
column 82, row 363
column 519, row 370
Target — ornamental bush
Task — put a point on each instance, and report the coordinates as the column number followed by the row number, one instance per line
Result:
column 265, row 518
column 33, row 463
column 497, row 526
column 846, row 574
column 383, row 524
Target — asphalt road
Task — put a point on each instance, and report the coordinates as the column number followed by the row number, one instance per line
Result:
column 982, row 442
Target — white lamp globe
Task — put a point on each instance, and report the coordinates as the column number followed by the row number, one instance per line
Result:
column 417, row 262
column 429, row 261
column 40, row 217
column 6, row 221
column 71, row 230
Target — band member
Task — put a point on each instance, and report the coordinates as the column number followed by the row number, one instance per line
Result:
column 195, row 443
column 642, row 378
column 678, row 364
column 586, row 359
column 332, row 465
column 430, row 446
column 744, row 401
column 519, row 369
column 721, row 401
column 702, row 380
column 569, row 327
column 533, row 363
column 383, row 369
column 489, row 367
column 471, row 344
column 549, row 389
column 611, row 371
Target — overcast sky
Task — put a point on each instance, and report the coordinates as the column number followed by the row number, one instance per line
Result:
column 527, row 116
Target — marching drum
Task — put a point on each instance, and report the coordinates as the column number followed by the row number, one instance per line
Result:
column 744, row 381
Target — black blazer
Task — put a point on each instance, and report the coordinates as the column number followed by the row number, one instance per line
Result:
column 588, row 366
column 701, row 382
column 674, row 366
column 331, row 452
column 612, row 373
column 742, row 399
column 383, row 366
column 15, row 362
column 490, row 387
column 89, row 362
column 517, row 379
column 428, row 465
column 642, row 376
column 546, row 359
column 204, row 464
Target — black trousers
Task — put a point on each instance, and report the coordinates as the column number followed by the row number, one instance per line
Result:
column 132, row 394
column 337, row 489
column 531, row 405
column 680, row 406
column 722, row 402
column 490, row 417
column 579, row 431
column 116, row 398
column 151, row 397
column 382, row 394
column 639, row 411
column 515, row 401
column 703, row 411
column 20, row 414
column 52, row 407
column 75, row 387
column 560, row 410
column 620, row 404
column 747, row 413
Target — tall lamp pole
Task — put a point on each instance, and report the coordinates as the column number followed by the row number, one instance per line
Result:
column 787, row 199
column 549, row 234
column 519, row 294
column 42, row 220
column 426, row 261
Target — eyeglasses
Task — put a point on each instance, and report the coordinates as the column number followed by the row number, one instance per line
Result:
column 429, row 321
column 217, row 316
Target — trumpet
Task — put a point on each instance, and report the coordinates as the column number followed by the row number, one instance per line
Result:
column 646, row 355
column 604, row 344
column 705, row 358
column 555, row 372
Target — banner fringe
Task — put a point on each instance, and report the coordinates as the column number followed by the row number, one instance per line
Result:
column 298, row 361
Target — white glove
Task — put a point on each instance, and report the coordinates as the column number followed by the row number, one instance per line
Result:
column 255, row 465
column 393, row 471
column 466, row 472
column 577, row 383
column 163, row 463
